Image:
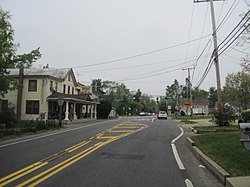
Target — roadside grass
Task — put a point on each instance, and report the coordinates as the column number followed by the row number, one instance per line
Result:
column 226, row 150
column 193, row 117
column 216, row 128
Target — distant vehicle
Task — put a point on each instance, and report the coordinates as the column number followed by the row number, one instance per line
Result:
column 142, row 114
column 162, row 115
column 198, row 111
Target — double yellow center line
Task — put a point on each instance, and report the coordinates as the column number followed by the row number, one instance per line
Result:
column 105, row 137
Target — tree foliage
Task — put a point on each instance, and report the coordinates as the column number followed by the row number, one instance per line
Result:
column 8, row 56
column 120, row 97
column 237, row 89
column 245, row 40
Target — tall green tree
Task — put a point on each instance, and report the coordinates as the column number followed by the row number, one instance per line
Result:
column 199, row 93
column 212, row 97
column 237, row 89
column 173, row 93
column 8, row 56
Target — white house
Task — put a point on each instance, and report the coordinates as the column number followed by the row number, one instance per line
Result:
column 40, row 91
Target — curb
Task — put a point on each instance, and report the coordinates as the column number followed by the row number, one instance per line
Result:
column 218, row 171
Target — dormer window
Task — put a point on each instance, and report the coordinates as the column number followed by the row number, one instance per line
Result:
column 68, row 77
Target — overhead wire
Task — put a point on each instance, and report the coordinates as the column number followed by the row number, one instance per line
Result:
column 136, row 66
column 228, row 14
column 140, row 55
column 240, row 22
column 226, row 44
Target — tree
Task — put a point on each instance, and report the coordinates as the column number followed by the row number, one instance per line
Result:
column 237, row 88
column 212, row 97
column 199, row 94
column 173, row 93
column 8, row 56
column 245, row 40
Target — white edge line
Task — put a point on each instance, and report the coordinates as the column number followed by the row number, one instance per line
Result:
column 175, row 152
column 188, row 183
column 43, row 136
column 177, row 158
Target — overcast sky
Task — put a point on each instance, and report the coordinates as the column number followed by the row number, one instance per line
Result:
column 145, row 44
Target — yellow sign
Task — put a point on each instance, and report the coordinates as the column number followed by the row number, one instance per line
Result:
column 187, row 104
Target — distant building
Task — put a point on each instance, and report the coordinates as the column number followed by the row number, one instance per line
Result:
column 41, row 91
column 199, row 106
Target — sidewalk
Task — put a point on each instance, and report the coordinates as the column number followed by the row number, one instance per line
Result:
column 228, row 181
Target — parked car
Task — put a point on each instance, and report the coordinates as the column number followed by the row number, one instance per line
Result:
column 162, row 115
column 142, row 114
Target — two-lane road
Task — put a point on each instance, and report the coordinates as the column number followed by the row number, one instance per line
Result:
column 135, row 151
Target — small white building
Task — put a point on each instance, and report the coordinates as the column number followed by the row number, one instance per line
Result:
column 41, row 88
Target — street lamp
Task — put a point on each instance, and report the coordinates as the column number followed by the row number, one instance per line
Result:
column 60, row 103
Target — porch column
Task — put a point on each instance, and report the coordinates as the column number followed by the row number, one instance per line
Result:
column 74, row 113
column 95, row 111
column 67, row 111
column 91, row 111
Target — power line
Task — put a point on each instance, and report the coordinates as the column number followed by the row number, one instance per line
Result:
column 229, row 12
column 234, row 30
column 136, row 66
column 141, row 54
column 153, row 75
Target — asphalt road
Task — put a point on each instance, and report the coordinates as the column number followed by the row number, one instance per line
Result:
column 134, row 152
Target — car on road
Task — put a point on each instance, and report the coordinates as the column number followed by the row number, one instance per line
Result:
column 142, row 114
column 162, row 115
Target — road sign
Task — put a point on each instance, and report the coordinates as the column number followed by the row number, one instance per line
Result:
column 187, row 104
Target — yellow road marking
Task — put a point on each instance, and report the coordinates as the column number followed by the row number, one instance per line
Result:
column 127, row 127
column 71, row 150
column 66, row 162
column 71, row 160
column 121, row 131
column 23, row 174
column 107, row 137
column 19, row 171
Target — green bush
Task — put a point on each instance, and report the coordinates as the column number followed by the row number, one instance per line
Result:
column 228, row 115
column 246, row 116
column 8, row 117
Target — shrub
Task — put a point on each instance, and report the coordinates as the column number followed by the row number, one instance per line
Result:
column 228, row 115
column 8, row 117
column 246, row 116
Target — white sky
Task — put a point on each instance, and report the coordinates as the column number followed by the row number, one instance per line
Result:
column 81, row 33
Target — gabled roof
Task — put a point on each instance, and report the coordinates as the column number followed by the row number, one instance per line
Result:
column 58, row 73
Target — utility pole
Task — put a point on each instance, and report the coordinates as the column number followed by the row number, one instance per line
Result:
column 216, row 59
column 189, row 85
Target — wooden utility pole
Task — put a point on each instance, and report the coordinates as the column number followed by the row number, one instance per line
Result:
column 216, row 58
column 20, row 92
column 189, row 86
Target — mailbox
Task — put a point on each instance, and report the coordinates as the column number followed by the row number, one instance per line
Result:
column 245, row 135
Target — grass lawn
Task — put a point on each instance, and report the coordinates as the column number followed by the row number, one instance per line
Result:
column 193, row 117
column 206, row 129
column 226, row 150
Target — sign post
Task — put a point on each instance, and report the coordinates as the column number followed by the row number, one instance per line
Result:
column 60, row 103
column 187, row 104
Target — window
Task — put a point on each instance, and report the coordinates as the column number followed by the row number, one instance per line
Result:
column 32, row 107
column 72, row 91
column 56, row 84
column 68, row 89
column 68, row 77
column 64, row 88
column 32, row 86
